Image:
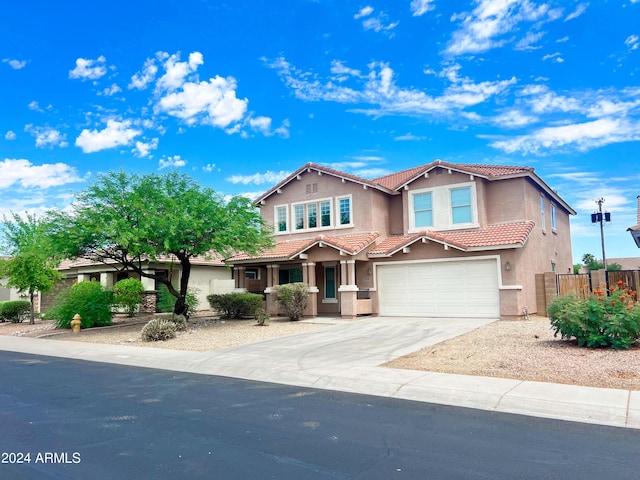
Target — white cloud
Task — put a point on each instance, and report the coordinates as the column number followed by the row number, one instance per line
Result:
column 378, row 23
column 209, row 167
column 15, row 64
column 143, row 149
column 116, row 133
column 527, row 43
column 110, row 91
column 513, row 119
column 554, row 57
column 259, row 178
column 35, row 106
column 87, row 69
column 491, row 21
column 409, row 137
column 378, row 89
column 580, row 9
column 10, row 135
column 578, row 136
column 632, row 42
column 212, row 103
column 141, row 79
column 176, row 72
column 364, row 12
column 174, row 161
column 262, row 125
column 47, row 137
column 26, row 174
column 420, row 7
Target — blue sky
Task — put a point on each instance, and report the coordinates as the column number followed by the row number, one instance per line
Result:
column 238, row 94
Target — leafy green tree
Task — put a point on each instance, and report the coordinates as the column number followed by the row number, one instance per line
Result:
column 31, row 266
column 128, row 294
column 591, row 262
column 129, row 218
column 614, row 267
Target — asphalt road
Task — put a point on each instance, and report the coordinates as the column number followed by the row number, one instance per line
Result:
column 81, row 420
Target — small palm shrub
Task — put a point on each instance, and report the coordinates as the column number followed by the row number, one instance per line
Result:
column 158, row 329
column 235, row 305
column 128, row 294
column 89, row 299
column 293, row 298
column 606, row 319
column 14, row 311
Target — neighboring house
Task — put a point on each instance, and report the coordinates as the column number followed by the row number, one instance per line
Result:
column 438, row 240
column 635, row 230
column 207, row 277
column 11, row 294
column 626, row 263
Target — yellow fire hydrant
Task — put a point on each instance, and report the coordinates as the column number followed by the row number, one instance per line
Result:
column 76, row 323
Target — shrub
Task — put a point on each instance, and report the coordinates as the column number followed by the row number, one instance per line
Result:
column 605, row 319
column 235, row 305
column 89, row 299
column 128, row 294
column 166, row 301
column 15, row 311
column 260, row 315
column 294, row 298
column 180, row 322
column 158, row 329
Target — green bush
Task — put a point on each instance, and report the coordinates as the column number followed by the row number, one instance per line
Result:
column 293, row 298
column 88, row 299
column 158, row 329
column 261, row 316
column 166, row 301
column 128, row 294
column 180, row 322
column 15, row 311
column 605, row 319
column 235, row 305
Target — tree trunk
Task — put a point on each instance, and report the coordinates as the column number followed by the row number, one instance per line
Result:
column 32, row 318
column 181, row 307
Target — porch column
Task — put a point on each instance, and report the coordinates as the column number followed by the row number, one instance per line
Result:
column 107, row 279
column 309, row 277
column 273, row 280
column 149, row 299
column 348, row 289
column 83, row 277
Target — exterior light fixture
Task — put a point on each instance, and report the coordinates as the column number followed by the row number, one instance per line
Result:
column 507, row 265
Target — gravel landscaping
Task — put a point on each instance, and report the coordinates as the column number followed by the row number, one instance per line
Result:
column 522, row 350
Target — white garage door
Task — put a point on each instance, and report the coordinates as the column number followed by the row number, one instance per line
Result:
column 439, row 289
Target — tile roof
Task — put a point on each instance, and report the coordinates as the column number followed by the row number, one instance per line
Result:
column 494, row 236
column 286, row 250
column 398, row 179
column 213, row 260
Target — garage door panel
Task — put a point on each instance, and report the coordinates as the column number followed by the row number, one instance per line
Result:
column 443, row 289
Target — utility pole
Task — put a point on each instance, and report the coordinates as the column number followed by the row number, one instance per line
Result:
column 600, row 218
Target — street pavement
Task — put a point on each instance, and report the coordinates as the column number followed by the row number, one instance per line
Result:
column 347, row 355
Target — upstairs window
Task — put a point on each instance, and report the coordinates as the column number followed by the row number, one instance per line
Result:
column 325, row 214
column 298, row 216
column 344, row 205
column 312, row 215
column 542, row 219
column 461, row 205
column 554, row 225
column 281, row 219
column 423, row 210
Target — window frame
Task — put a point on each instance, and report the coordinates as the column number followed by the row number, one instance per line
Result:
column 468, row 206
column 414, row 211
column 543, row 219
column 554, row 218
column 338, row 210
column 442, row 213
column 276, row 209
column 334, row 292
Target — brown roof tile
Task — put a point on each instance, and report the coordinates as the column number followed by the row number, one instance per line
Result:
column 286, row 250
column 494, row 236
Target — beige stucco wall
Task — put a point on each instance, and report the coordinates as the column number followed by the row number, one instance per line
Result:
column 370, row 207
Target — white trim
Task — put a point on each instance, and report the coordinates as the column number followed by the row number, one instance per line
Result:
column 441, row 209
column 348, row 288
column 501, row 286
column 337, row 211
column 287, row 219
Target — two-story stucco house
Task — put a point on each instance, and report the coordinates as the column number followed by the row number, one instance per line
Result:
column 438, row 240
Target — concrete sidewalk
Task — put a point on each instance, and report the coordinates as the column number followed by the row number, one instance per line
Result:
column 346, row 357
